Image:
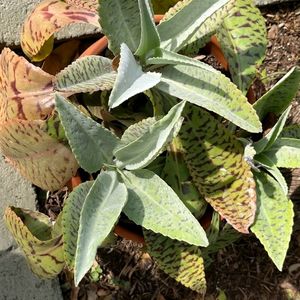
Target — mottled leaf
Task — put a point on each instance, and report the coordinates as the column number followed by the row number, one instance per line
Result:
column 280, row 96
column 91, row 143
column 30, row 149
column 215, row 160
column 291, row 131
column 274, row 218
column 120, row 22
column 32, row 232
column 270, row 166
column 155, row 206
column 100, row 212
column 268, row 140
column 149, row 35
column 243, row 39
column 86, row 75
column 37, row 40
column 26, row 91
column 138, row 153
column 209, row 88
column 285, row 153
column 70, row 220
column 179, row 260
column 177, row 175
column 131, row 80
column 174, row 36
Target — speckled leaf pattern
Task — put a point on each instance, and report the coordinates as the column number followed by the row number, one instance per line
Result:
column 177, row 175
column 144, row 149
column 215, row 160
column 155, row 206
column 202, row 35
column 127, row 28
column 209, row 88
column 100, row 212
column 29, row 148
column 243, row 40
column 37, row 40
column 174, row 9
column 149, row 35
column 190, row 17
column 274, row 218
column 26, row 91
column 86, row 75
column 70, row 221
column 179, row 260
column 32, row 232
column 131, row 79
column 291, row 131
column 285, row 153
column 280, row 96
column 91, row 143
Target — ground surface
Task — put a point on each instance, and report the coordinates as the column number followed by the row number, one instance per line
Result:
column 242, row 270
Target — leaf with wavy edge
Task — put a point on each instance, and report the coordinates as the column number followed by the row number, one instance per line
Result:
column 100, row 211
column 91, row 143
column 155, row 206
column 243, row 39
column 32, row 232
column 30, row 149
column 215, row 160
column 37, row 40
column 179, row 260
column 70, row 220
column 131, row 79
column 190, row 18
column 274, row 218
column 26, row 91
column 280, row 96
column 206, row 87
column 120, row 22
column 86, row 75
column 138, row 153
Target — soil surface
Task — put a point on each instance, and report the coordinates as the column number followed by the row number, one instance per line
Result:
column 241, row 271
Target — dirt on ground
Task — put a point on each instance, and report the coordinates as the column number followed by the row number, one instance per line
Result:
column 241, row 271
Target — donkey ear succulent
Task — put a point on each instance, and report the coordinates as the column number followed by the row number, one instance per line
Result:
column 182, row 154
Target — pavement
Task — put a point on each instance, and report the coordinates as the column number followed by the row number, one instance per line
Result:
column 17, row 282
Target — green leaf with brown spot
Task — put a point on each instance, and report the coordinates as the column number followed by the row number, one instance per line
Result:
column 29, row 148
column 208, row 88
column 36, row 40
column 32, row 232
column 215, row 160
column 243, row 39
column 274, row 218
column 177, row 175
column 70, row 220
column 179, row 260
column 26, row 91
column 280, row 96
column 86, row 75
